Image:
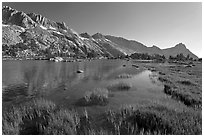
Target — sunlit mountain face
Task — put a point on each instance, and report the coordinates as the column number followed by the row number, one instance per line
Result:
column 30, row 34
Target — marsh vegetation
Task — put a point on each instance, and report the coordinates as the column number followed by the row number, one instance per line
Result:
column 106, row 100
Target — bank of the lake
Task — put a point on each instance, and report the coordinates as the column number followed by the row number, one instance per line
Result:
column 132, row 95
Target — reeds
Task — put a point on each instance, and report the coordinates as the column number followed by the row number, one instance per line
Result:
column 98, row 96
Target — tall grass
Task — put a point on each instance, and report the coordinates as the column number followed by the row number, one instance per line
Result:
column 63, row 122
column 98, row 96
column 152, row 120
column 185, row 97
column 173, row 89
column 28, row 118
column 43, row 117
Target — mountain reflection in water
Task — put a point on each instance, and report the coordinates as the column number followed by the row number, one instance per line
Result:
column 61, row 83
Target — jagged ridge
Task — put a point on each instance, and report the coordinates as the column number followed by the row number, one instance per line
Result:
column 43, row 37
column 33, row 34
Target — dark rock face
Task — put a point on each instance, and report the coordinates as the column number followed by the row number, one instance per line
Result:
column 98, row 36
column 85, row 35
column 14, row 17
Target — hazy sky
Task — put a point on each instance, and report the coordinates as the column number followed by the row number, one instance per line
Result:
column 160, row 24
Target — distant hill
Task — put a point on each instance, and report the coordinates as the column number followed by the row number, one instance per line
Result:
column 130, row 46
column 30, row 34
column 179, row 48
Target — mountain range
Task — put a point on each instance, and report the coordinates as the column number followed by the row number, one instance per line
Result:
column 30, row 34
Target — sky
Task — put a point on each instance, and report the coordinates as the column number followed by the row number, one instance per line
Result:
column 161, row 24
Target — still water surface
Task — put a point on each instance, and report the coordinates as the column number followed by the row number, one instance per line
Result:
column 60, row 82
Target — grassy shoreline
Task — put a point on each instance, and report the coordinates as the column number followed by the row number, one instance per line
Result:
column 43, row 117
column 181, row 83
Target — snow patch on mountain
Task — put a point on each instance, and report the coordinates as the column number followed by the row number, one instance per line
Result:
column 43, row 27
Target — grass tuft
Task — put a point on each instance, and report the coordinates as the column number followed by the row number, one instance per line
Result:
column 63, row 122
column 27, row 118
column 122, row 76
column 121, row 86
column 98, row 96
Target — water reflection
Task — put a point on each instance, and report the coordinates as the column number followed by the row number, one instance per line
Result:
column 61, row 82
column 42, row 76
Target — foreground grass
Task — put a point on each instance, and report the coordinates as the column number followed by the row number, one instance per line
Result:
column 153, row 120
column 29, row 118
column 40, row 117
column 98, row 96
column 44, row 117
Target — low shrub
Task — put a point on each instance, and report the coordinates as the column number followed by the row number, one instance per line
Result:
column 134, row 65
column 162, row 79
column 161, row 73
column 186, row 82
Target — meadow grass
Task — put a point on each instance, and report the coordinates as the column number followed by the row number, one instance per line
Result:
column 98, row 96
column 181, row 83
column 27, row 118
column 152, row 120
column 63, row 122
column 178, row 92
column 43, row 117
column 39, row 117
column 120, row 86
column 186, row 97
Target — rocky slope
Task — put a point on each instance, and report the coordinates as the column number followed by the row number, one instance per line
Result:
column 33, row 35
column 26, row 35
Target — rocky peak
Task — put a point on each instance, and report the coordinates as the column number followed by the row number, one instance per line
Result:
column 155, row 47
column 38, row 18
column 14, row 17
column 181, row 45
column 62, row 25
column 98, row 36
column 85, row 35
column 7, row 8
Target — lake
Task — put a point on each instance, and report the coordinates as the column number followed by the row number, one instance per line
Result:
column 60, row 83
